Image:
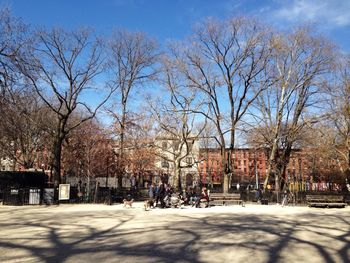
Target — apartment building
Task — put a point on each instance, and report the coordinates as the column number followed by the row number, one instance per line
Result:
column 249, row 166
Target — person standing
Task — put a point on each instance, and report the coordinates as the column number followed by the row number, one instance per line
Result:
column 285, row 198
column 151, row 191
column 160, row 194
column 258, row 195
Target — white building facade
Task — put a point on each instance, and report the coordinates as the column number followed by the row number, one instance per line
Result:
column 177, row 161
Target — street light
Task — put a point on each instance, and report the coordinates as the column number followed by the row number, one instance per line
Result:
column 107, row 171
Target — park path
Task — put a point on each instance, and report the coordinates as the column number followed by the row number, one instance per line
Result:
column 99, row 233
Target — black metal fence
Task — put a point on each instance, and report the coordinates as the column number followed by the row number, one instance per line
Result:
column 21, row 196
column 49, row 196
column 296, row 198
column 105, row 195
column 249, row 194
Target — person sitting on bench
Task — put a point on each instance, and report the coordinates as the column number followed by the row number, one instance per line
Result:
column 204, row 198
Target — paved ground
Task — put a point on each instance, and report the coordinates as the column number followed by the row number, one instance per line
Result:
column 99, row 233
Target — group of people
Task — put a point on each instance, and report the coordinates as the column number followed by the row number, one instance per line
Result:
column 164, row 195
column 196, row 198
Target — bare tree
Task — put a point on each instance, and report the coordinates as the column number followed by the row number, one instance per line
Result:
column 139, row 151
column 298, row 62
column 88, row 153
column 179, row 133
column 339, row 110
column 324, row 152
column 207, row 144
column 225, row 62
column 61, row 66
column 176, row 117
column 132, row 60
column 13, row 35
column 24, row 123
column 24, row 128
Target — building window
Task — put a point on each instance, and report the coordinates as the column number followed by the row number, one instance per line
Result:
column 189, row 160
column 165, row 164
column 164, row 145
column 176, row 144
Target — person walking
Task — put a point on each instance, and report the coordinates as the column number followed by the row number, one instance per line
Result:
column 285, row 198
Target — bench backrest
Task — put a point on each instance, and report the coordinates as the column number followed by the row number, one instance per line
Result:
column 234, row 196
column 338, row 198
column 219, row 195
column 225, row 196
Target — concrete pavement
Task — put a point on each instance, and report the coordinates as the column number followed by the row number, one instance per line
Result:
column 100, row 233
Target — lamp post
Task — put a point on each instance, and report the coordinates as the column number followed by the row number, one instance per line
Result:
column 107, row 172
column 256, row 171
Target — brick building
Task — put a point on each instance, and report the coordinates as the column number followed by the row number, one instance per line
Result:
column 249, row 167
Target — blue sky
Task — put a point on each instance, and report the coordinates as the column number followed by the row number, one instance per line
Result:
column 173, row 19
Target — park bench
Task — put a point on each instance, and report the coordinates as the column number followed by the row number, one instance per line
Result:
column 225, row 199
column 347, row 199
column 325, row 200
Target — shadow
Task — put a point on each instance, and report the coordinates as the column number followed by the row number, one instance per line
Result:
column 134, row 235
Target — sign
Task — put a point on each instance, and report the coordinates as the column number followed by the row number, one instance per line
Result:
column 14, row 191
column 63, row 191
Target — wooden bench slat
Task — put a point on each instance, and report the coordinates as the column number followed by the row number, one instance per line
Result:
column 225, row 199
column 325, row 200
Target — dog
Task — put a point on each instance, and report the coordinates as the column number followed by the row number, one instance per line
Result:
column 128, row 203
column 148, row 204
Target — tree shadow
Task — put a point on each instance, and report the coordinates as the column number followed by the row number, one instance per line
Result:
column 133, row 235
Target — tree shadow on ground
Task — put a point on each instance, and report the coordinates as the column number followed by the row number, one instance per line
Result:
column 135, row 236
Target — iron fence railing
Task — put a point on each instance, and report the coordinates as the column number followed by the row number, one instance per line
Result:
column 105, row 195
column 49, row 196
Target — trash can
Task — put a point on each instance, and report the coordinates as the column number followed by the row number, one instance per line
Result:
column 48, row 196
column 34, row 196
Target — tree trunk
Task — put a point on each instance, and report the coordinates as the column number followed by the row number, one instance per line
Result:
column 224, row 170
column 226, row 182
column 57, row 150
column 229, row 165
column 56, row 163
column 272, row 158
column 277, row 186
column 348, row 160
column 121, row 148
column 177, row 176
